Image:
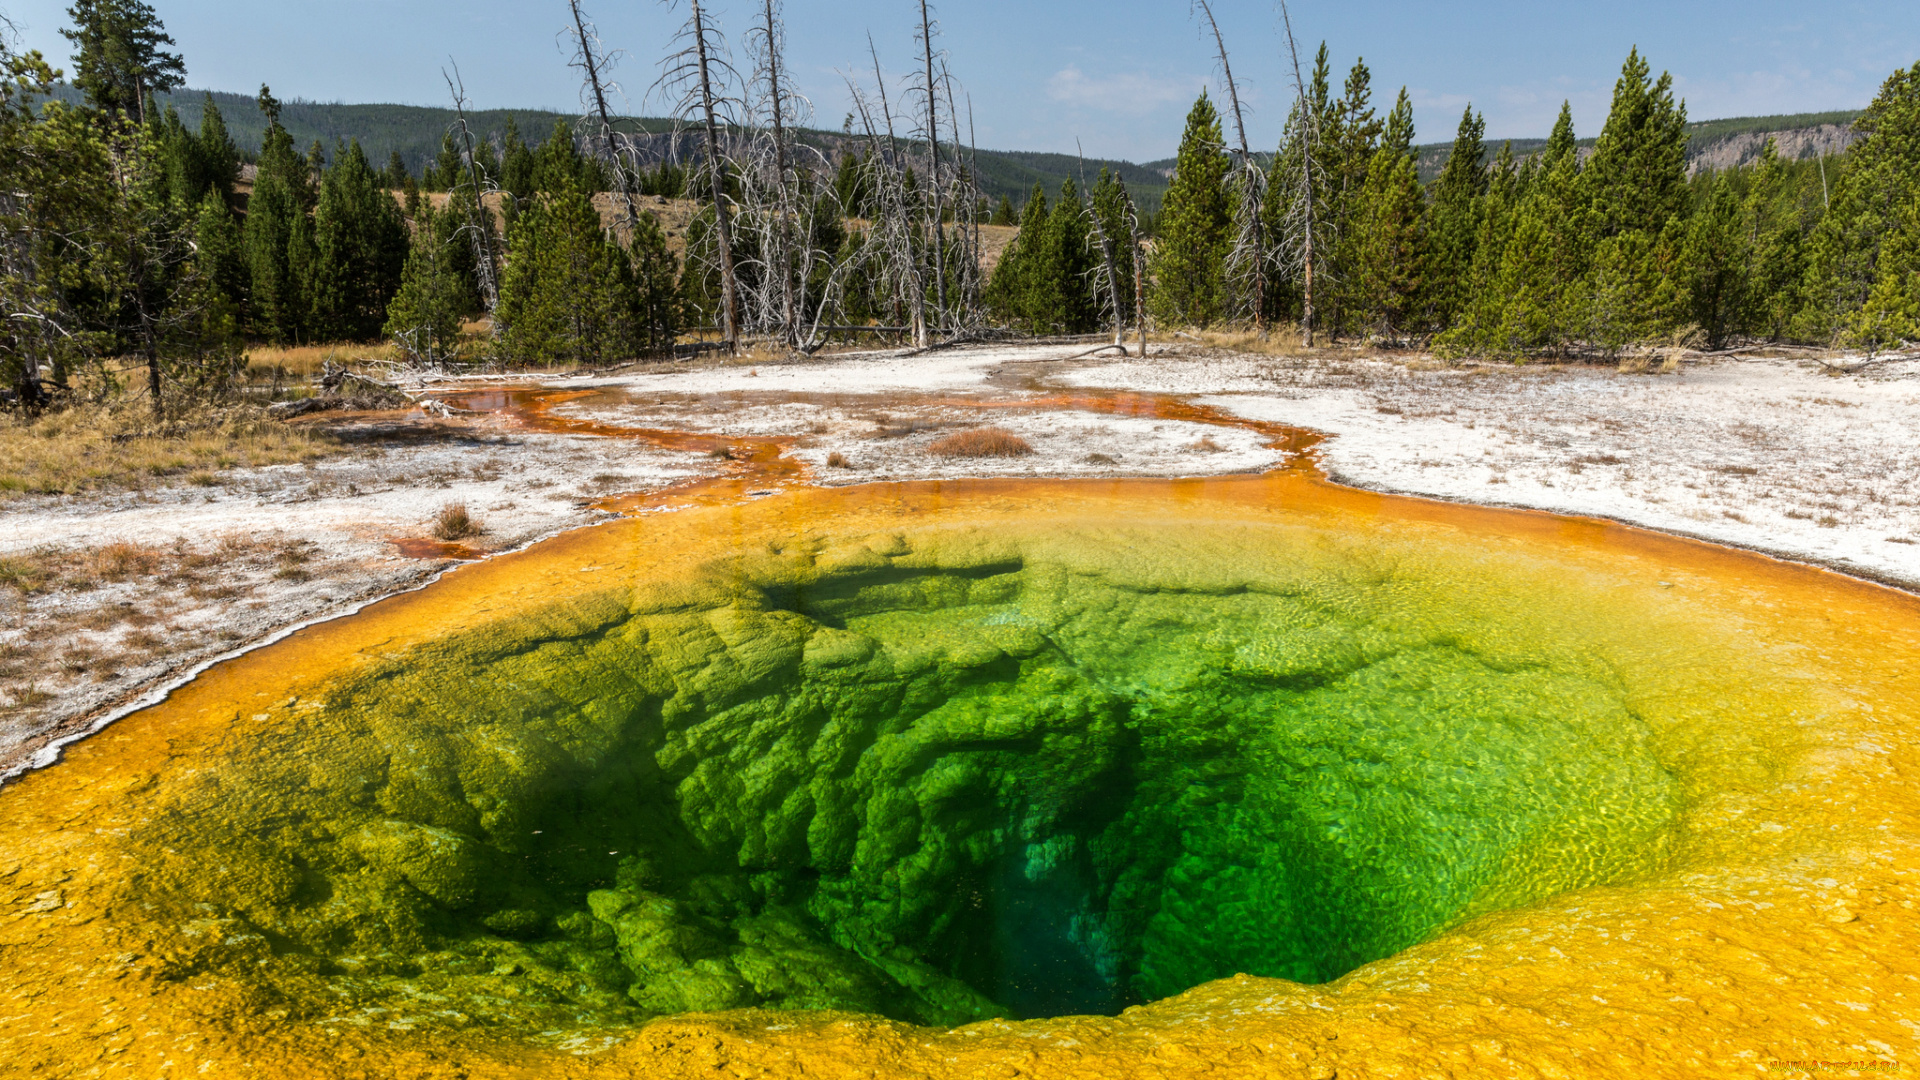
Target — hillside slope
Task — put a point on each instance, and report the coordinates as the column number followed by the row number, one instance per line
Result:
column 415, row 132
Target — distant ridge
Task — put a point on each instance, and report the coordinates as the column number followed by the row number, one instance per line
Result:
column 1711, row 144
column 415, row 131
column 1715, row 144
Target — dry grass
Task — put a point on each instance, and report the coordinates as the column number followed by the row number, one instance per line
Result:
column 1206, row 445
column 981, row 443
column 100, row 447
column 304, row 362
column 454, row 523
column 838, row 460
column 1278, row 341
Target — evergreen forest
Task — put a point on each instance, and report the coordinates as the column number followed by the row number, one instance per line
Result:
column 137, row 254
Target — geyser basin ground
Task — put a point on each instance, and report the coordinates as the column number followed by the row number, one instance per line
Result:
column 1303, row 780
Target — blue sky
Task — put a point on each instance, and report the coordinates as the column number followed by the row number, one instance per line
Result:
column 1117, row 75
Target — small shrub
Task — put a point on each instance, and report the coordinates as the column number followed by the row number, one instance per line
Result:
column 1828, row 521
column 121, row 560
column 838, row 460
column 22, row 574
column 203, row 479
column 1102, row 459
column 143, row 641
column 1207, row 446
column 981, row 443
column 26, row 697
column 454, row 523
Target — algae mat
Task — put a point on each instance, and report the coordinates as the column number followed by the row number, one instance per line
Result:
column 1245, row 777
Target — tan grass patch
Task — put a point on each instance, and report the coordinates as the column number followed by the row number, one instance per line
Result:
column 104, row 447
column 838, row 460
column 1277, row 341
column 981, row 443
column 454, row 523
column 121, row 560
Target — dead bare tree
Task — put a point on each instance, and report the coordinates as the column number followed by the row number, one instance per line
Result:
column 966, row 315
column 896, row 230
column 1299, row 220
column 1100, row 237
column 1247, row 258
column 479, row 227
column 1139, row 276
column 696, row 73
column 594, row 62
column 771, row 199
column 930, row 88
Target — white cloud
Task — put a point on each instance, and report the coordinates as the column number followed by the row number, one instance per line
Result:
column 1129, row 93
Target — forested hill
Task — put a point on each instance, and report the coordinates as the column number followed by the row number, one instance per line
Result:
column 415, row 133
column 1711, row 144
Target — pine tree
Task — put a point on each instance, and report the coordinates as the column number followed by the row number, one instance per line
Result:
column 119, row 61
column 449, row 169
column 1061, row 294
column 361, row 248
column 1195, row 222
column 1776, row 247
column 449, row 226
column 1113, row 206
column 222, row 252
column 219, row 157
column 1638, row 175
column 516, row 163
column 852, row 186
column 656, row 286
column 395, row 176
column 278, row 236
column 1009, row 292
column 1389, row 241
column 1892, row 311
column 1870, row 198
column 1561, row 145
column 1718, row 257
column 1003, row 213
column 1635, row 189
column 425, row 315
column 1349, row 144
column 1453, row 221
column 569, row 294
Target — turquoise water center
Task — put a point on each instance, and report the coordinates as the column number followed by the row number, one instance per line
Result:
column 943, row 774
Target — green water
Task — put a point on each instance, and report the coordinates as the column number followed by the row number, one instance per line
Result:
column 940, row 778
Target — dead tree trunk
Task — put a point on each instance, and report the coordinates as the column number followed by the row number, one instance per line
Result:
column 780, row 258
column 1301, row 213
column 933, row 171
column 902, row 227
column 1139, row 278
column 479, row 225
column 717, row 181
column 584, row 37
column 1249, row 249
column 1106, row 254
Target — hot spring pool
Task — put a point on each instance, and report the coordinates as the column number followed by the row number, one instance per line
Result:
column 1103, row 762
